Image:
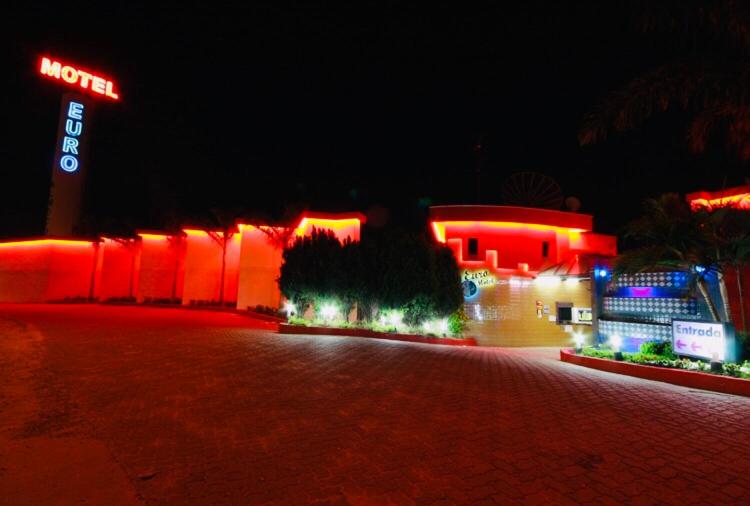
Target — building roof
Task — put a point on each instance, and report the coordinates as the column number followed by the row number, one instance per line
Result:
column 510, row 214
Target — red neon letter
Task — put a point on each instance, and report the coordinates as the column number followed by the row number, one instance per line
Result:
column 50, row 68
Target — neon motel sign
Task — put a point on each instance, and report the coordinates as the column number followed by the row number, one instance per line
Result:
column 97, row 84
column 70, row 141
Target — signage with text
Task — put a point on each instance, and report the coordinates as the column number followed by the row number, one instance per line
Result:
column 78, row 78
column 473, row 281
column 702, row 340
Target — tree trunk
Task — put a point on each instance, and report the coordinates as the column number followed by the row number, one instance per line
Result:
column 707, row 297
column 223, row 269
column 176, row 270
column 92, row 281
column 131, row 247
column 724, row 297
column 741, row 294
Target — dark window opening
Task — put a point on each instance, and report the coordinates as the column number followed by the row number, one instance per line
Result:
column 545, row 249
column 473, row 246
column 564, row 313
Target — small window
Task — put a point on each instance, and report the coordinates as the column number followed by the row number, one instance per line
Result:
column 473, row 246
column 545, row 249
column 564, row 313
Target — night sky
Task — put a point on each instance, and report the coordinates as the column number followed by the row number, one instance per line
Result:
column 274, row 107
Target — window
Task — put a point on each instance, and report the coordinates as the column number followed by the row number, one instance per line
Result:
column 473, row 246
column 545, row 249
column 564, row 313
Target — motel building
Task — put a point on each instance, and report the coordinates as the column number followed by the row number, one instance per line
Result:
column 197, row 267
column 531, row 277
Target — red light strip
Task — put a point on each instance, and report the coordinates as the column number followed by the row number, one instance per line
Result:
column 45, row 242
column 439, row 227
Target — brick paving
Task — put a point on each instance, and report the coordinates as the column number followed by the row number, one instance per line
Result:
column 106, row 405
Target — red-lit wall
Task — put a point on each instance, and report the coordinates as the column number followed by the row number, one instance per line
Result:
column 203, row 259
column 162, row 267
column 119, row 269
column 46, row 270
column 343, row 226
column 513, row 245
column 260, row 262
column 157, row 267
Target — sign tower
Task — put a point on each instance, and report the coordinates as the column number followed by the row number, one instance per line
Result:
column 73, row 133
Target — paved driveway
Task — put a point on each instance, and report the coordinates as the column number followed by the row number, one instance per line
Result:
column 123, row 405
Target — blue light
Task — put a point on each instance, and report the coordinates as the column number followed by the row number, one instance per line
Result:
column 602, row 273
column 699, row 269
column 70, row 143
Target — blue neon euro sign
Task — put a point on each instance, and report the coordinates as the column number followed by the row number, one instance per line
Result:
column 70, row 141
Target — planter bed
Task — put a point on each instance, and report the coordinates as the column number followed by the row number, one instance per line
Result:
column 691, row 379
column 285, row 328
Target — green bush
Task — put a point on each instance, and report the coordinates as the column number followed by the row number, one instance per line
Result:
column 662, row 349
column 457, row 322
column 596, row 353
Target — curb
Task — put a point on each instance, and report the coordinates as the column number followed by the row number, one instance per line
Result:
column 285, row 328
column 691, row 379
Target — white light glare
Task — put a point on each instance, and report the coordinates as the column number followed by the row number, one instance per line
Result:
column 328, row 311
column 615, row 342
column 579, row 339
column 289, row 309
column 443, row 326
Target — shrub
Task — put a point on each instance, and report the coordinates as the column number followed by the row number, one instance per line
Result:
column 386, row 269
column 658, row 348
column 457, row 322
column 593, row 352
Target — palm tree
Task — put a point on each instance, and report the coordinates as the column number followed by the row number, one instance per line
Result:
column 708, row 241
column 227, row 228
column 669, row 236
column 711, row 82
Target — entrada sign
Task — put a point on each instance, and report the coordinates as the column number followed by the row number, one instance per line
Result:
column 83, row 79
column 702, row 340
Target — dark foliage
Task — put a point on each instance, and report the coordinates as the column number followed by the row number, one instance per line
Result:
column 387, row 269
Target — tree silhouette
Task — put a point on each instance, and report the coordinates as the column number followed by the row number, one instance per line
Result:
column 711, row 82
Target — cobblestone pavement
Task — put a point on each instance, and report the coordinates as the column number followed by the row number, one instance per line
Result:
column 127, row 405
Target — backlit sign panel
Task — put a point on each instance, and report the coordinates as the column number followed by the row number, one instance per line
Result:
column 78, row 78
column 702, row 340
column 70, row 143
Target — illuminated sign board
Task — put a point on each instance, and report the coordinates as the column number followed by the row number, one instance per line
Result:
column 72, row 134
column 473, row 281
column 70, row 144
column 704, row 340
column 78, row 78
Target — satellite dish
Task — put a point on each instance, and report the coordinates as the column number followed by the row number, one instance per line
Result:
column 572, row 204
column 531, row 189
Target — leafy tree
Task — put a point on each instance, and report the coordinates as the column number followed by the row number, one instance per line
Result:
column 387, row 269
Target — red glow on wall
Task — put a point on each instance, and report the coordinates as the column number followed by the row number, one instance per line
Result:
column 160, row 266
column 342, row 226
column 45, row 242
column 78, row 78
column 439, row 227
column 738, row 198
column 518, row 240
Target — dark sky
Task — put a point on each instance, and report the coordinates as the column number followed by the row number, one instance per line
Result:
column 276, row 106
